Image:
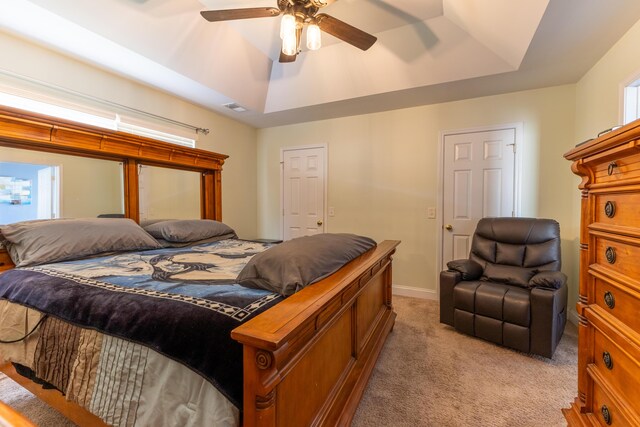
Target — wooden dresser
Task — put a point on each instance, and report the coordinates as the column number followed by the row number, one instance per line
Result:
column 609, row 301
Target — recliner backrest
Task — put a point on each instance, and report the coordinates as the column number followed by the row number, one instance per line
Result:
column 528, row 245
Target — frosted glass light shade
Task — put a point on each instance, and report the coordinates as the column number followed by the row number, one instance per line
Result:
column 287, row 25
column 314, row 40
column 289, row 43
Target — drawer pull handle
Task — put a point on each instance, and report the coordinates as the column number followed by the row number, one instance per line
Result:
column 609, row 299
column 1, row 263
column 606, row 358
column 611, row 167
column 606, row 414
column 610, row 254
column 610, row 209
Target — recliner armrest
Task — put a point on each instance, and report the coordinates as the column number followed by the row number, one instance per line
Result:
column 469, row 269
column 448, row 281
column 548, row 279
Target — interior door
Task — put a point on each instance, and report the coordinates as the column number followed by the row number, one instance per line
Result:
column 303, row 192
column 48, row 196
column 479, row 175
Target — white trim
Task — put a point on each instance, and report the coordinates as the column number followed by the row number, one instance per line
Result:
column 573, row 316
column 519, row 138
column 633, row 77
column 409, row 291
column 325, row 183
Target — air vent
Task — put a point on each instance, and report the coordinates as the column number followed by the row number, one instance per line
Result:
column 236, row 107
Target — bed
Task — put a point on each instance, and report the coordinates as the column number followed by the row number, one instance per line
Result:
column 305, row 358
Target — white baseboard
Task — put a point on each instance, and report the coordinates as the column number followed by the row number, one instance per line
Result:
column 408, row 291
column 573, row 316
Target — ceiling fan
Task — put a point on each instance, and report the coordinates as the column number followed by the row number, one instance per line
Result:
column 297, row 14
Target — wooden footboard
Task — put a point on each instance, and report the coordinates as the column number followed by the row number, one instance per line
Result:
column 308, row 359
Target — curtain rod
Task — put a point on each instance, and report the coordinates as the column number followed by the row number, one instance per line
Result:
column 197, row 129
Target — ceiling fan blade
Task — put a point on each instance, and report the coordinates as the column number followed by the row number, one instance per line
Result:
column 345, row 32
column 287, row 58
column 322, row 3
column 232, row 14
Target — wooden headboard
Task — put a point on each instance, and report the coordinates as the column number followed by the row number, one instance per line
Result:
column 20, row 129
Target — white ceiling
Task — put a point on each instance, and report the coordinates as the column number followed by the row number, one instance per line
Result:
column 427, row 50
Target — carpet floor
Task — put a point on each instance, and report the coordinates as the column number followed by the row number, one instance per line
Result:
column 430, row 375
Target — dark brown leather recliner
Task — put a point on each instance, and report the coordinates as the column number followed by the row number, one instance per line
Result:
column 510, row 291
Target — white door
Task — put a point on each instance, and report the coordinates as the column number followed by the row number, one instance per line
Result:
column 303, row 192
column 478, row 176
column 48, row 195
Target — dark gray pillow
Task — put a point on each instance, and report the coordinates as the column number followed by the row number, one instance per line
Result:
column 168, row 244
column 188, row 230
column 548, row 279
column 508, row 274
column 292, row 265
column 40, row 242
column 469, row 269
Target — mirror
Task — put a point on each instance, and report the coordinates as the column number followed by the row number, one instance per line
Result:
column 39, row 185
column 168, row 193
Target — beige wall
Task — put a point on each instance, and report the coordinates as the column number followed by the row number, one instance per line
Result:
column 169, row 193
column 383, row 171
column 599, row 92
column 227, row 136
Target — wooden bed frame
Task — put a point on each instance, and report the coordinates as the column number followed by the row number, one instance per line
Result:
column 306, row 360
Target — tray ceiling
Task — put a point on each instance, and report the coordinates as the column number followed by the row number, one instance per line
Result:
column 427, row 50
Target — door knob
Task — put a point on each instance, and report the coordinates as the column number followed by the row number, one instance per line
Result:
column 448, row 227
column 319, row 222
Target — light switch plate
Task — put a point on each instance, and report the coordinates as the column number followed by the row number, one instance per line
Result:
column 431, row 213
column 332, row 212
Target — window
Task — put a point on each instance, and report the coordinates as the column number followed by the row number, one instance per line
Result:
column 632, row 102
column 104, row 118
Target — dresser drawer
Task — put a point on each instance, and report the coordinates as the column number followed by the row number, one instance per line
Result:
column 605, row 411
column 617, row 368
column 619, row 301
column 5, row 260
column 620, row 256
column 620, row 209
column 617, row 168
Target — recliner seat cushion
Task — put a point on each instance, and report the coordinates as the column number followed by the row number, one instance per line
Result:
column 494, row 300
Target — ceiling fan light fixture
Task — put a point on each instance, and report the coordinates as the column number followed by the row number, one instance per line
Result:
column 287, row 25
column 314, row 39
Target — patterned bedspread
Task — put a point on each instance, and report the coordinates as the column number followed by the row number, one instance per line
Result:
column 182, row 303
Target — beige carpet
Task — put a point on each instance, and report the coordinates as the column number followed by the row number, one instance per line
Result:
column 430, row 375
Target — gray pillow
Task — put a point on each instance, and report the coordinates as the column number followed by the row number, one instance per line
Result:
column 292, row 265
column 168, row 244
column 40, row 242
column 188, row 230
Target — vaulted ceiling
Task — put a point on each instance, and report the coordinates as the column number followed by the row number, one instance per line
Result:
column 427, row 50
